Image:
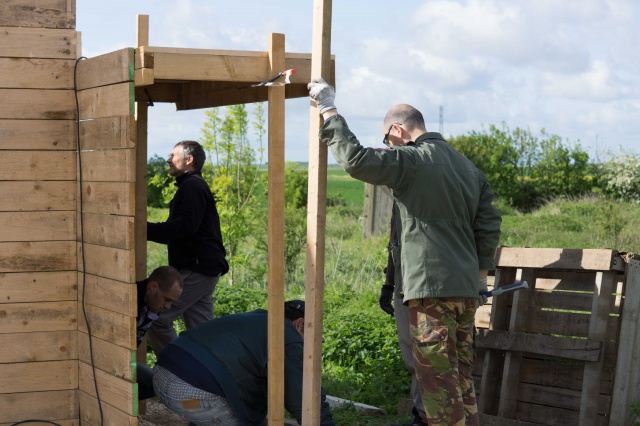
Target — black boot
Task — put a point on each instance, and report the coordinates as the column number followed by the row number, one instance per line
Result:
column 416, row 420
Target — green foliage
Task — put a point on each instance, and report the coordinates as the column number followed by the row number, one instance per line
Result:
column 234, row 176
column 635, row 413
column 235, row 299
column 525, row 170
column 621, row 177
column 296, row 185
column 160, row 187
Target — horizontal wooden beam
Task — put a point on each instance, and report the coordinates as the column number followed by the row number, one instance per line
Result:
column 28, row 73
column 569, row 348
column 108, row 197
column 60, row 404
column 33, row 317
column 112, row 295
column 39, row 376
column 37, row 104
column 37, row 43
column 38, row 195
column 108, row 165
column 37, row 134
column 108, row 262
column 106, row 101
column 109, row 326
column 38, row 165
column 90, row 412
column 108, row 133
column 39, row 346
column 44, row 13
column 21, row 287
column 107, row 230
column 551, row 258
column 37, row 256
column 37, row 226
column 115, row 391
column 111, row 68
column 113, row 359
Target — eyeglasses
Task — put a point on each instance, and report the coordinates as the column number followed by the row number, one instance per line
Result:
column 384, row 140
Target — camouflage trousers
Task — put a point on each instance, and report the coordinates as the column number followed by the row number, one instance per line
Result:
column 442, row 339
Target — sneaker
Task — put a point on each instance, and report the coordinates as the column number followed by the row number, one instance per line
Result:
column 415, row 421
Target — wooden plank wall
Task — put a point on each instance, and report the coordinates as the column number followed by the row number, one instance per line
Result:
column 107, row 265
column 39, row 373
column 378, row 203
column 547, row 355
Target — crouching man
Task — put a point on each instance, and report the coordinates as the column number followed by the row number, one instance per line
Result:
column 216, row 372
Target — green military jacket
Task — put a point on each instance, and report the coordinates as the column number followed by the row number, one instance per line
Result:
column 448, row 227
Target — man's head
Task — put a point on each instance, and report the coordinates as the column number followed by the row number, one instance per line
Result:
column 402, row 124
column 163, row 288
column 186, row 156
column 294, row 311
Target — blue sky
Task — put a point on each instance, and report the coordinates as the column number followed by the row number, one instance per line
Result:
column 569, row 67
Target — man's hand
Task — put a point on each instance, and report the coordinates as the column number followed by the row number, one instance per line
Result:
column 482, row 287
column 321, row 92
column 386, row 294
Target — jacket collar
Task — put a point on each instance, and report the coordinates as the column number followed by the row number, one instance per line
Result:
column 184, row 176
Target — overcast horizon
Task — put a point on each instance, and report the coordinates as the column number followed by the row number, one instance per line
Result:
column 570, row 68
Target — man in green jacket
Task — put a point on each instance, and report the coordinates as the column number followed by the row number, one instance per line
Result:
column 216, row 372
column 448, row 231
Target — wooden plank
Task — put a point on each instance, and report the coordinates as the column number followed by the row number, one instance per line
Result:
column 60, row 404
column 142, row 30
column 582, row 350
column 110, row 68
column 39, row 376
column 108, row 325
column 37, row 134
column 116, row 296
column 38, row 287
column 369, row 410
column 559, row 397
column 119, row 393
column 493, row 360
column 38, row 165
column 21, row 196
column 44, row 13
column 74, row 422
column 488, row 420
column 108, row 166
column 38, row 43
column 581, row 259
column 513, row 360
column 107, row 262
column 106, row 101
column 108, row 357
column 160, row 92
column 602, row 301
column 564, row 323
column 37, row 256
column 275, row 230
column 108, row 133
column 316, row 222
column 627, row 372
column 108, row 230
column 90, row 413
column 37, row 226
column 33, row 73
column 552, row 416
column 38, row 346
column 37, row 104
column 42, row 316
column 108, row 197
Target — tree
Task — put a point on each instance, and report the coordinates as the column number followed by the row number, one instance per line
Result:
column 234, row 175
column 159, row 184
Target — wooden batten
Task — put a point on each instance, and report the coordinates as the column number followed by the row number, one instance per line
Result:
column 37, row 226
column 37, row 135
column 112, row 295
column 37, row 43
column 38, row 165
column 108, row 262
column 60, row 405
column 111, row 68
column 39, row 376
column 42, row 316
column 115, row 360
column 108, row 166
column 37, row 256
column 44, row 13
column 43, row 346
column 108, row 198
column 108, row 133
column 90, row 412
column 588, row 259
column 107, row 230
column 33, row 73
column 38, row 287
column 114, row 391
column 37, row 195
column 37, row 104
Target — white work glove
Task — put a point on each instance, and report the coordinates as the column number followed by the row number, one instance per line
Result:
column 322, row 92
column 482, row 287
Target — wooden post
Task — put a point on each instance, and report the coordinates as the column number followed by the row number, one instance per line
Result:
column 316, row 223
column 276, row 236
column 140, row 218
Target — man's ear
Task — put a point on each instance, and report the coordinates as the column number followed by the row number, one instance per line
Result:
column 152, row 287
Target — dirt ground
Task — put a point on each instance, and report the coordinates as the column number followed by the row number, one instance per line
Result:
column 159, row 415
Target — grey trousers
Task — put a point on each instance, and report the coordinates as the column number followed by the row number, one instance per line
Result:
column 195, row 305
column 401, row 314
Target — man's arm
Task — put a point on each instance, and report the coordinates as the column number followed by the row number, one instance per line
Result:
column 186, row 217
column 486, row 230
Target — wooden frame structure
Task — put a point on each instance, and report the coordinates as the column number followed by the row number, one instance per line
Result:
column 69, row 250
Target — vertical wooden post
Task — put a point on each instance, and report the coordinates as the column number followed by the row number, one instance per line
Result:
column 275, row 228
column 316, row 223
column 140, row 218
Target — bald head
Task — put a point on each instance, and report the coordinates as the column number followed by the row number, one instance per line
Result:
column 410, row 118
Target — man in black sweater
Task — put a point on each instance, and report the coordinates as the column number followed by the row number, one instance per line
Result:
column 194, row 242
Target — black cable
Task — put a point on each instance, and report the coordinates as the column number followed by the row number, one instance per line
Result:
column 36, row 421
column 84, row 268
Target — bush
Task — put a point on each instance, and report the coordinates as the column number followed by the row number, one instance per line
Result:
column 621, row 177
